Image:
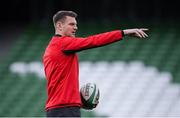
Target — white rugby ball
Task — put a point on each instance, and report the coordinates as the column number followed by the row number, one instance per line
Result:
column 89, row 96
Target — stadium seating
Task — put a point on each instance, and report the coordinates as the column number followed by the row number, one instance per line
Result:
column 132, row 89
column 135, row 77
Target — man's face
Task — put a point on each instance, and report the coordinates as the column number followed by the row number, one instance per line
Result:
column 69, row 27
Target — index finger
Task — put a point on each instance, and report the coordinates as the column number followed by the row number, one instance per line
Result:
column 144, row 29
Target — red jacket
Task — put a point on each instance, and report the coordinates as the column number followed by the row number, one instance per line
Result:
column 62, row 69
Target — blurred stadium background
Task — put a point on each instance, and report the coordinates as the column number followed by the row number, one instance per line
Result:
column 137, row 78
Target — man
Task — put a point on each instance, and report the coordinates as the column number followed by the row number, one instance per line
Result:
column 61, row 62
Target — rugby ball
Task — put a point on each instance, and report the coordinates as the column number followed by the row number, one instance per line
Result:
column 89, row 96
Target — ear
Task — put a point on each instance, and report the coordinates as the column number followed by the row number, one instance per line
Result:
column 59, row 25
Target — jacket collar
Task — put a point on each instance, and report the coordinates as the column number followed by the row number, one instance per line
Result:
column 58, row 35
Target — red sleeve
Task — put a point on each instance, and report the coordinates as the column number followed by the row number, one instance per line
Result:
column 78, row 44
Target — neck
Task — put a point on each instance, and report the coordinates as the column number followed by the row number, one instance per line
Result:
column 59, row 33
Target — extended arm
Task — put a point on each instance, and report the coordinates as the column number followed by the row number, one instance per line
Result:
column 78, row 44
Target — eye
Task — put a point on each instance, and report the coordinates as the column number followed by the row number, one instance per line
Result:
column 73, row 24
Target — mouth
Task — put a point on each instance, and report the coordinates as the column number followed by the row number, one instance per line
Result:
column 74, row 33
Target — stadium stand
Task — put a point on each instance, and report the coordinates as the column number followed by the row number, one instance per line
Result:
column 132, row 89
column 135, row 77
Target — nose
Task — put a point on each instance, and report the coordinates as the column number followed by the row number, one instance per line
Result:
column 75, row 27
